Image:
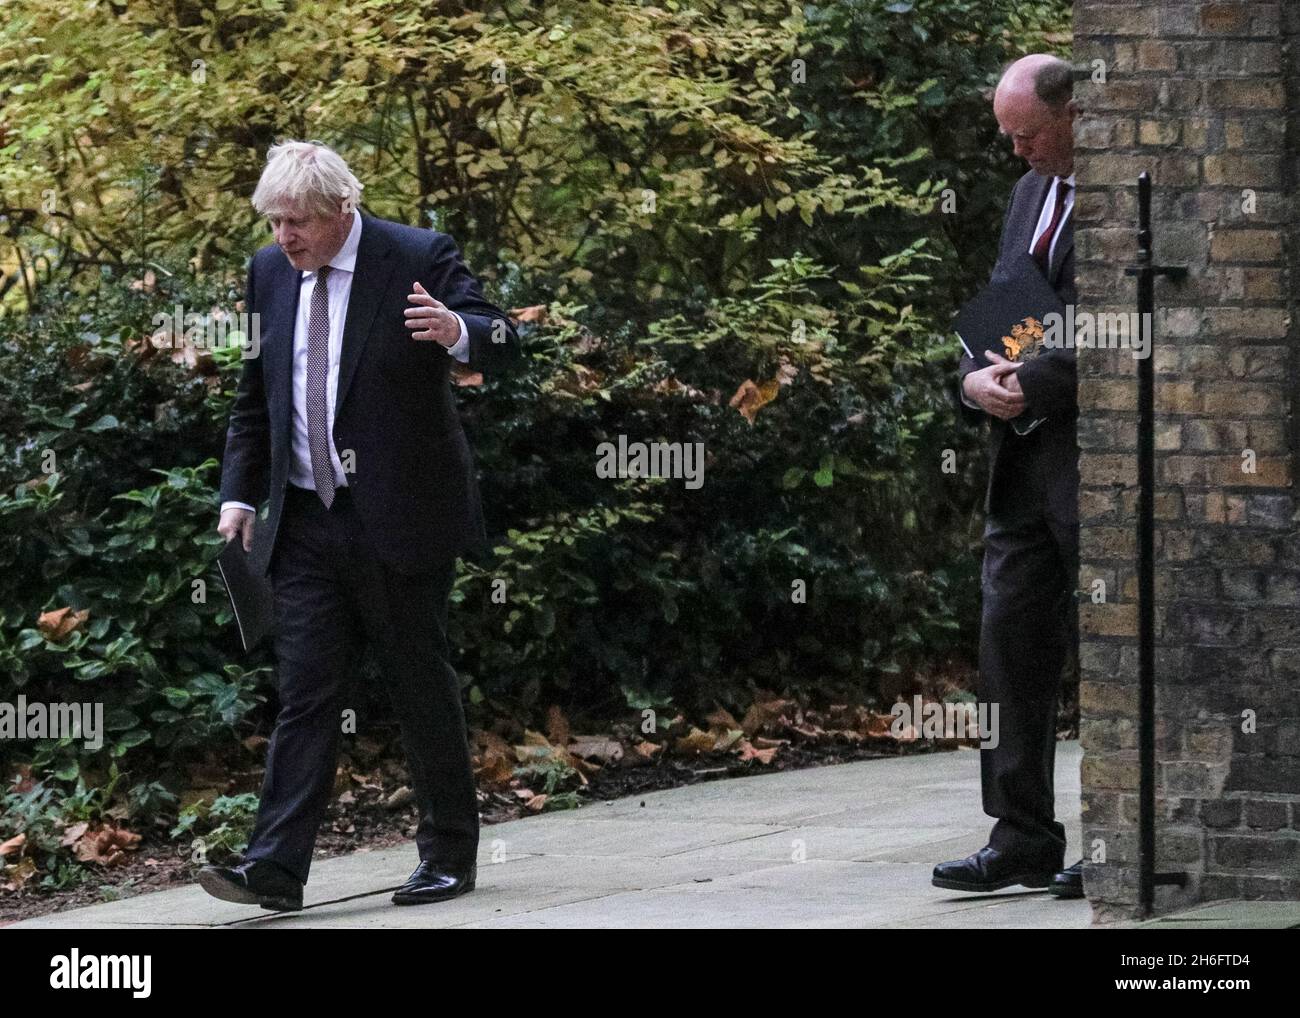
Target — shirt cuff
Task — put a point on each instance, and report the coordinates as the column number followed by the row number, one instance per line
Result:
column 961, row 392
column 460, row 349
column 237, row 505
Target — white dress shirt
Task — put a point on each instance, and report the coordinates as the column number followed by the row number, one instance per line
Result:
column 339, row 286
column 1044, row 221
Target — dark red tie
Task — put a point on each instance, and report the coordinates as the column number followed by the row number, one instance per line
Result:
column 1044, row 244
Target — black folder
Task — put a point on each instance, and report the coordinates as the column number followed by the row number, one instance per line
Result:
column 250, row 593
column 1008, row 318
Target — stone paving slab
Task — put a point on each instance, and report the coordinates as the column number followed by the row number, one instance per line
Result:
column 1230, row 915
column 850, row 845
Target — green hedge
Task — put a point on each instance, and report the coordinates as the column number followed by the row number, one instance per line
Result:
column 621, row 593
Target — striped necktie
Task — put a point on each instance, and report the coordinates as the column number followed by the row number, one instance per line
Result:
column 318, row 369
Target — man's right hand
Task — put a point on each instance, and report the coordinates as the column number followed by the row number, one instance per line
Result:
column 237, row 523
column 985, row 388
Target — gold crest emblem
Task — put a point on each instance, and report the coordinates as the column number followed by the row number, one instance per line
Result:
column 1025, row 341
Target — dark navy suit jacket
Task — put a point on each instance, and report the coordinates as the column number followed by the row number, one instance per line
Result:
column 1049, row 380
column 413, row 480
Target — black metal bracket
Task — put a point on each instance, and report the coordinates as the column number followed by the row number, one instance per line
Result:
column 1175, row 273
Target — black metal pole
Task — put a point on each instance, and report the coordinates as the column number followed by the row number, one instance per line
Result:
column 1146, row 560
column 1146, row 273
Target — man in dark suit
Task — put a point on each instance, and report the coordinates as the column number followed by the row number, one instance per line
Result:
column 347, row 424
column 1031, row 539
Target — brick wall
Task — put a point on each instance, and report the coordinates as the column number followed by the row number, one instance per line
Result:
column 1204, row 96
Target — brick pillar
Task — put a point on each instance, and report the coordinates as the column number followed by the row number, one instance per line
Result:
column 1204, row 96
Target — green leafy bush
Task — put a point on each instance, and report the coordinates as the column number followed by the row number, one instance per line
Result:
column 114, row 532
column 782, row 299
column 220, row 831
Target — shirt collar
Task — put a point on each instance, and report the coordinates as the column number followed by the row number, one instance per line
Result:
column 346, row 258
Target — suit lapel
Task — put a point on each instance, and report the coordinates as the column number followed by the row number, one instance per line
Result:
column 374, row 267
column 1034, row 209
column 1064, row 245
column 286, row 286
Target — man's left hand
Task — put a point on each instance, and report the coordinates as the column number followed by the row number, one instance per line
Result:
column 430, row 319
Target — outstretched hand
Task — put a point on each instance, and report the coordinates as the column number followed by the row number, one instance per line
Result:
column 430, row 318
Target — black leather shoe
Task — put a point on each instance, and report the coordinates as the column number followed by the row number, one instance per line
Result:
column 1069, row 882
column 256, row 882
column 989, row 870
column 433, row 881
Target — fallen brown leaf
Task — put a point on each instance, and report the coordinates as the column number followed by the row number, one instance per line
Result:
column 73, row 834
column 106, row 846
column 536, row 313
column 17, row 875
column 671, row 386
column 725, row 740
column 596, row 747
column 763, row 712
column 876, row 725
column 495, row 771
column 722, row 718
column 498, row 773
column 494, row 764
column 61, row 623
column 580, row 380
column 695, row 741
column 748, row 752
column 23, row 779
column 749, row 398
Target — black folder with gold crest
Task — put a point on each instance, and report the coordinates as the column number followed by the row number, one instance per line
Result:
column 1009, row 318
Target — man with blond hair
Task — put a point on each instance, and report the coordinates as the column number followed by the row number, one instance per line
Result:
column 1031, row 527
column 346, row 424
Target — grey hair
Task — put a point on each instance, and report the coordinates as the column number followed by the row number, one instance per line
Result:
column 1054, row 83
column 306, row 174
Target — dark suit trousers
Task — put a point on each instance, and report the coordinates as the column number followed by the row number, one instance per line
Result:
column 1031, row 555
column 331, row 595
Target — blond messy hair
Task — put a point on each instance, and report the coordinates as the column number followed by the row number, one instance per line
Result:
column 308, row 175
